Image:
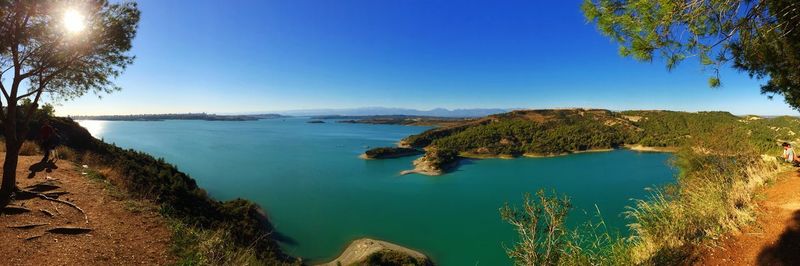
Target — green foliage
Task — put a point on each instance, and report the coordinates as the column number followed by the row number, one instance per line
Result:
column 714, row 195
column 721, row 166
column 425, row 139
column 390, row 152
column 543, row 238
column 393, row 258
column 553, row 132
column 438, row 160
column 39, row 54
column 518, row 136
column 517, row 133
column 759, row 37
column 673, row 129
column 545, row 132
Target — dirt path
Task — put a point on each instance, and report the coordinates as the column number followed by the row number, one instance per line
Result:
column 124, row 232
column 775, row 239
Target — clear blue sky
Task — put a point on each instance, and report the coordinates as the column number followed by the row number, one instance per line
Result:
column 249, row 56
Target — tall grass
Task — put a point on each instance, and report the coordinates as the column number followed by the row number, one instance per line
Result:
column 720, row 174
column 195, row 246
column 29, row 148
column 714, row 195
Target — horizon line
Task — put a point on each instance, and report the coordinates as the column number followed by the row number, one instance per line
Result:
column 505, row 110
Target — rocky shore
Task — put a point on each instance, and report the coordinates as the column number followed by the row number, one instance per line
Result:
column 435, row 162
column 367, row 251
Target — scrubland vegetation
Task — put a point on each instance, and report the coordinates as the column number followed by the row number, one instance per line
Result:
column 556, row 132
column 390, row 152
column 723, row 161
column 206, row 231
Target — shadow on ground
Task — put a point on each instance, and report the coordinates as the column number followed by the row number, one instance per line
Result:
column 47, row 166
column 787, row 250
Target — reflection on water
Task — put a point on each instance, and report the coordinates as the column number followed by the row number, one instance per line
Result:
column 95, row 127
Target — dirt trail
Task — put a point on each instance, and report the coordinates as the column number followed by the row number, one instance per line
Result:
column 124, row 232
column 775, row 238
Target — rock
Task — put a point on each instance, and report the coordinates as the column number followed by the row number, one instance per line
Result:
column 435, row 162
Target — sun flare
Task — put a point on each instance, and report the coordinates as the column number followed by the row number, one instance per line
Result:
column 73, row 21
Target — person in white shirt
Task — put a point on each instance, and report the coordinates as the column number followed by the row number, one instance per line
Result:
column 788, row 153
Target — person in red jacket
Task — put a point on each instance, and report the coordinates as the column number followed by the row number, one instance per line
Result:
column 47, row 134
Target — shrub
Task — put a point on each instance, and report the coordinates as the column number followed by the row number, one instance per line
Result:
column 243, row 223
column 195, row 246
column 66, row 153
column 29, row 148
column 540, row 226
column 720, row 173
column 721, row 169
column 545, row 240
column 393, row 258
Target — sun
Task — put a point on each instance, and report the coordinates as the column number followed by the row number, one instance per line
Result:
column 74, row 21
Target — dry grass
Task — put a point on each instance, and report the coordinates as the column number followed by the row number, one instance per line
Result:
column 714, row 196
column 29, row 148
column 65, row 153
column 196, row 246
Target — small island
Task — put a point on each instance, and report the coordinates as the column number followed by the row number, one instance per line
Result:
column 315, row 122
column 389, row 152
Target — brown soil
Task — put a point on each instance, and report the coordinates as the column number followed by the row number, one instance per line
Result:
column 774, row 239
column 124, row 232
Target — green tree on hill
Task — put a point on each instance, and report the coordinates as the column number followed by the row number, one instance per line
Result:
column 760, row 37
column 63, row 48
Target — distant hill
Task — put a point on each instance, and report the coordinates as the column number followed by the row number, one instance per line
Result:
column 370, row 111
column 562, row 131
column 409, row 120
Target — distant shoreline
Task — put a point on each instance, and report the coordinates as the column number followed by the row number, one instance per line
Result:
column 186, row 116
column 637, row 148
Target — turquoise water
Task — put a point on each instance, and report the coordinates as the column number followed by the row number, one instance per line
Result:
column 321, row 195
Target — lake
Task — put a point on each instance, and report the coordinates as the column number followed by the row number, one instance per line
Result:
column 316, row 190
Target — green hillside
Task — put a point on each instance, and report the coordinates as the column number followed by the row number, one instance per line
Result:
column 562, row 131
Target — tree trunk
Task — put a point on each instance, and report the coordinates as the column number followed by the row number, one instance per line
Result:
column 9, row 183
column 9, row 171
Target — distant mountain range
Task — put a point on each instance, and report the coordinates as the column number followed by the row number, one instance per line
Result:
column 368, row 111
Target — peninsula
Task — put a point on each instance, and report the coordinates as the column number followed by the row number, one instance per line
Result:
column 554, row 132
